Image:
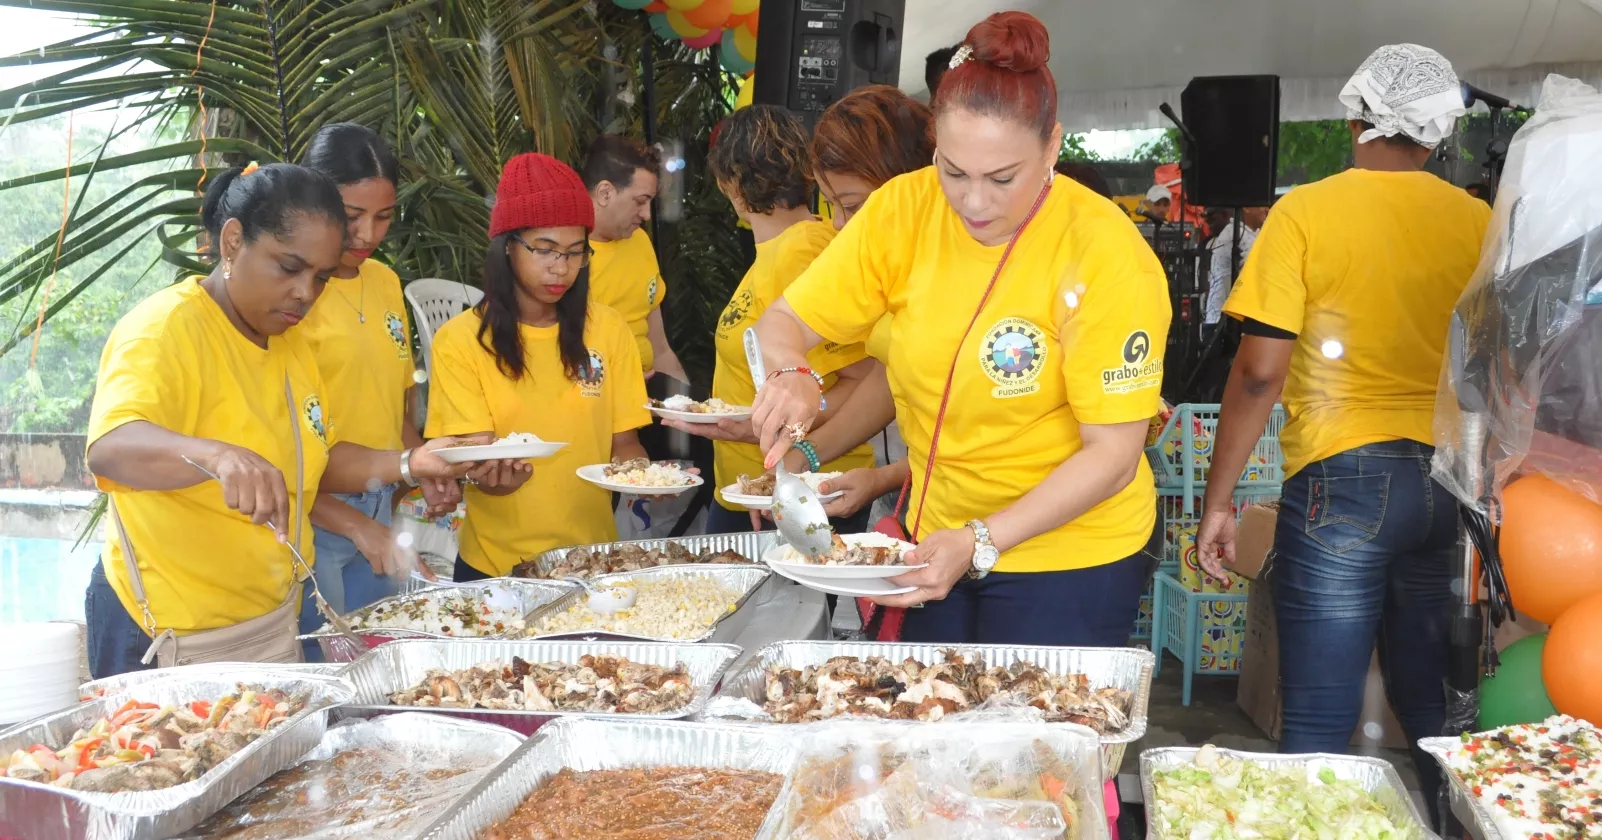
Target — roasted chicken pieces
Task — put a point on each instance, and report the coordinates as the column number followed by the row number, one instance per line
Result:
column 603, row 684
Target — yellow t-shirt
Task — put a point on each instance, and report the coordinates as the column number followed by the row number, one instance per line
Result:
column 625, row 276
column 366, row 367
column 1073, row 333
column 555, row 508
column 878, row 343
column 176, row 361
column 1365, row 268
column 779, row 261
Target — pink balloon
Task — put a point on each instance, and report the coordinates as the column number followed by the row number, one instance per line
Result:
column 702, row 42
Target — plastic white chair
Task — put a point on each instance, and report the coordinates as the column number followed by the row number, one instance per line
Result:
column 434, row 302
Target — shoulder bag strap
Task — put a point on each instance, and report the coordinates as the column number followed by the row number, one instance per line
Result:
column 945, row 396
column 135, row 580
column 300, row 463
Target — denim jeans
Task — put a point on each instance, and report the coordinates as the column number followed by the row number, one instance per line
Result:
column 1364, row 548
column 115, row 640
column 346, row 578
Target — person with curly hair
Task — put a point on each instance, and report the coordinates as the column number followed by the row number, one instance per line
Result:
column 760, row 163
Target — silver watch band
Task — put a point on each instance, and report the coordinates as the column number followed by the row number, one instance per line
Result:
column 406, row 468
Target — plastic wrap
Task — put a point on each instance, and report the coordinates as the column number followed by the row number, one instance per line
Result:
column 122, row 682
column 1521, row 388
column 379, row 779
column 991, row 779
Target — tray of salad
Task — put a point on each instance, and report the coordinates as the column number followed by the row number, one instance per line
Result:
column 1539, row 779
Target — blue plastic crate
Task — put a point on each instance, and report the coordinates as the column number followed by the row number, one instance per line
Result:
column 1142, row 631
column 1179, row 512
column 1182, row 454
column 1180, row 618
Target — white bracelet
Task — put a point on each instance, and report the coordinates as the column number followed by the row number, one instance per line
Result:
column 406, row 469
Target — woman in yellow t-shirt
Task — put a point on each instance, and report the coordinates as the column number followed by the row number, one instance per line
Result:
column 360, row 332
column 1048, row 313
column 207, row 376
column 759, row 162
column 536, row 355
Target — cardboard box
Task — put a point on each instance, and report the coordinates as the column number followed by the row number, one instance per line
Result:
column 1254, row 539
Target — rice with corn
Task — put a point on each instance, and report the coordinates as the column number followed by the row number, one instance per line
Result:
column 676, row 608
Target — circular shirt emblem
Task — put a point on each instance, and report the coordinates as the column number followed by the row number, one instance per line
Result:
column 651, row 290
column 593, row 374
column 313, row 409
column 397, row 330
column 1137, row 347
column 1012, row 355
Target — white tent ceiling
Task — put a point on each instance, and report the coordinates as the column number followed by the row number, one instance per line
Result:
column 1116, row 61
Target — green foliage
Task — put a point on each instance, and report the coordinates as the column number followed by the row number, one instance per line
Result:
column 1309, row 151
column 1074, row 151
column 1164, row 149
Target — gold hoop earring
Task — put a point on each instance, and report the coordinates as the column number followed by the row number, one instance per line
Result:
column 228, row 271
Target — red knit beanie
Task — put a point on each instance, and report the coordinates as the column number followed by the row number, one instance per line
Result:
column 540, row 191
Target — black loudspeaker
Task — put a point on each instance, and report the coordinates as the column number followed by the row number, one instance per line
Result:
column 1235, row 120
column 810, row 53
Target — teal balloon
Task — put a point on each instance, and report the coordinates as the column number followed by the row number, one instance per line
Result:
column 730, row 56
column 660, row 25
column 1516, row 694
column 633, row 4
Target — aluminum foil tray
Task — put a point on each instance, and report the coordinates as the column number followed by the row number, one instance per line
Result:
column 532, row 595
column 122, row 682
column 747, row 580
column 422, row 744
column 606, row 745
column 1465, row 805
column 33, row 811
column 401, row 665
column 752, row 545
column 1126, row 668
column 1377, row 776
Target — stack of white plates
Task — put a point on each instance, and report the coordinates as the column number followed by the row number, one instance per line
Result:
column 38, row 669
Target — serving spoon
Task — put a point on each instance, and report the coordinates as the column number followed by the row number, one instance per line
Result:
column 607, row 600
column 797, row 510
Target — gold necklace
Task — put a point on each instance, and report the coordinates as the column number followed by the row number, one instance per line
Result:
column 361, row 282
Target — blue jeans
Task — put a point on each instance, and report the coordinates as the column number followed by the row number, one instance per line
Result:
column 346, row 578
column 115, row 640
column 1364, row 548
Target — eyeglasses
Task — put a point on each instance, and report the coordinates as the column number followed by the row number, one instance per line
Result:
column 549, row 257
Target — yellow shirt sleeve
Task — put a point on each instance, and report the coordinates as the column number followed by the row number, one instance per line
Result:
column 140, row 379
column 1113, row 324
column 458, row 402
column 627, row 376
column 791, row 263
column 1272, row 286
column 846, row 289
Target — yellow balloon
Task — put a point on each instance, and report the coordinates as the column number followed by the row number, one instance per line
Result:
column 682, row 5
column 746, row 93
column 744, row 7
column 745, row 43
column 682, row 27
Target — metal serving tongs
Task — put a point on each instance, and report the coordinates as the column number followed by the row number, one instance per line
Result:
column 797, row 510
column 323, row 608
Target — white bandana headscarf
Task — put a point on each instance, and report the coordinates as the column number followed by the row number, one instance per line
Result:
column 1405, row 89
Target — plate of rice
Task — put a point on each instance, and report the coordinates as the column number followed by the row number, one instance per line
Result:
column 515, row 446
column 640, row 477
column 692, row 411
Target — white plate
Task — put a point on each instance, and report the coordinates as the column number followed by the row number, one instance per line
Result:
column 596, row 474
column 868, row 588
column 786, row 561
column 499, row 451
column 695, row 417
column 733, row 496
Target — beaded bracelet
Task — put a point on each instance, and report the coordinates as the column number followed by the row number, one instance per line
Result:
column 811, row 454
column 823, row 401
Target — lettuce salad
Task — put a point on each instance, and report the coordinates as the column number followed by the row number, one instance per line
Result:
column 1220, row 798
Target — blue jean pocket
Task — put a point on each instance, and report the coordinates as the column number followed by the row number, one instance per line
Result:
column 1344, row 512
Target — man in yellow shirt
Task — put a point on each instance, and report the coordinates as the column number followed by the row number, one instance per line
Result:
column 620, row 173
column 1345, row 303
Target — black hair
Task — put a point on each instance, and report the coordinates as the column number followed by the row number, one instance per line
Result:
column 935, row 65
column 499, row 314
column 266, row 200
column 349, row 152
column 615, row 158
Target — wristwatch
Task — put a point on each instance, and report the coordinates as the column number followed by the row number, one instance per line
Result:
column 406, row 469
column 985, row 554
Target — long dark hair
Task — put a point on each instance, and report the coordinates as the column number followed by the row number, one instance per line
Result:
column 350, row 153
column 499, row 313
column 265, row 200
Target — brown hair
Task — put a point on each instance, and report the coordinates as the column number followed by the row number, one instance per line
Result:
column 615, row 158
column 1006, row 76
column 760, row 155
column 875, row 133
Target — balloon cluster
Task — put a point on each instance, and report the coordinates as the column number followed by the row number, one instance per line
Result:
column 703, row 23
column 1551, row 547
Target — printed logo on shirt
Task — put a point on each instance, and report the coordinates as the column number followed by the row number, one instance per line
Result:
column 593, row 375
column 1012, row 355
column 313, row 409
column 735, row 312
column 397, row 333
column 1138, row 371
column 651, row 289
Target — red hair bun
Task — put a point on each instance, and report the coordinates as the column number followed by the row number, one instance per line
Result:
column 1015, row 41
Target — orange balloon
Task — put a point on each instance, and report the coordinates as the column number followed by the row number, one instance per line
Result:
column 751, row 23
column 1571, row 663
column 711, row 14
column 1551, row 546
